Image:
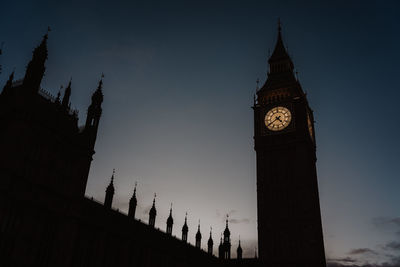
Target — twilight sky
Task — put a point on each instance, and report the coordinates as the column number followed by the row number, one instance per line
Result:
column 179, row 83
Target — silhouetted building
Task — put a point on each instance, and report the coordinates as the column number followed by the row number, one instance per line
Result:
column 45, row 158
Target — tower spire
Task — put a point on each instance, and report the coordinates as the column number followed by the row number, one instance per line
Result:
column 36, row 68
column 279, row 25
column 280, row 60
column 110, row 192
column 239, row 251
column 153, row 212
column 94, row 114
column 185, row 229
column 133, row 204
column 210, row 243
column 227, row 241
column 220, row 249
column 170, row 221
column 67, row 95
column 198, row 236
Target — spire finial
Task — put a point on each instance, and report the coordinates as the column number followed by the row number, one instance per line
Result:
column 101, row 79
column 170, row 209
column 227, row 217
column 101, row 82
column 112, row 176
column 47, row 33
column 154, row 199
column 279, row 25
column 134, row 190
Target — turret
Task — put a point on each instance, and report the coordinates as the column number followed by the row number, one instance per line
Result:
column 132, row 204
column 153, row 213
column 210, row 244
column 67, row 95
column 221, row 249
column 94, row 114
column 170, row 222
column 227, row 241
column 35, row 69
column 110, row 192
column 239, row 251
column 198, row 237
column 185, row 230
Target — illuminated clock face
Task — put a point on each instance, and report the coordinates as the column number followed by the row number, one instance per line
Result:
column 278, row 118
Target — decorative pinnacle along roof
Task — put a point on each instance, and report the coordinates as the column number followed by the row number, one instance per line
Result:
column 226, row 231
column 110, row 187
column 170, row 220
column 153, row 210
column 185, row 227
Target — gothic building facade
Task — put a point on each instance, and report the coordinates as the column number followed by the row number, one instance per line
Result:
column 45, row 158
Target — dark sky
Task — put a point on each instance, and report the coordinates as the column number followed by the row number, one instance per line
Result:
column 179, row 83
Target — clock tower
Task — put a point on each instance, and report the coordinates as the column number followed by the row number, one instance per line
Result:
column 289, row 217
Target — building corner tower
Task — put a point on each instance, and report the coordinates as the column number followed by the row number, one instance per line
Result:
column 288, row 210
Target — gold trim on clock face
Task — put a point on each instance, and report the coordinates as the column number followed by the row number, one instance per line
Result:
column 277, row 118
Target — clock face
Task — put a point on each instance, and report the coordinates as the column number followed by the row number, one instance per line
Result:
column 278, row 118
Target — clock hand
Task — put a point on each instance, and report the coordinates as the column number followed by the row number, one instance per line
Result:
column 279, row 118
column 272, row 121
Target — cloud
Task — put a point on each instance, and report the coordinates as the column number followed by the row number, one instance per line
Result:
column 386, row 221
column 218, row 213
column 231, row 212
column 343, row 260
column 237, row 221
column 394, row 245
column 146, row 210
column 395, row 262
column 358, row 251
